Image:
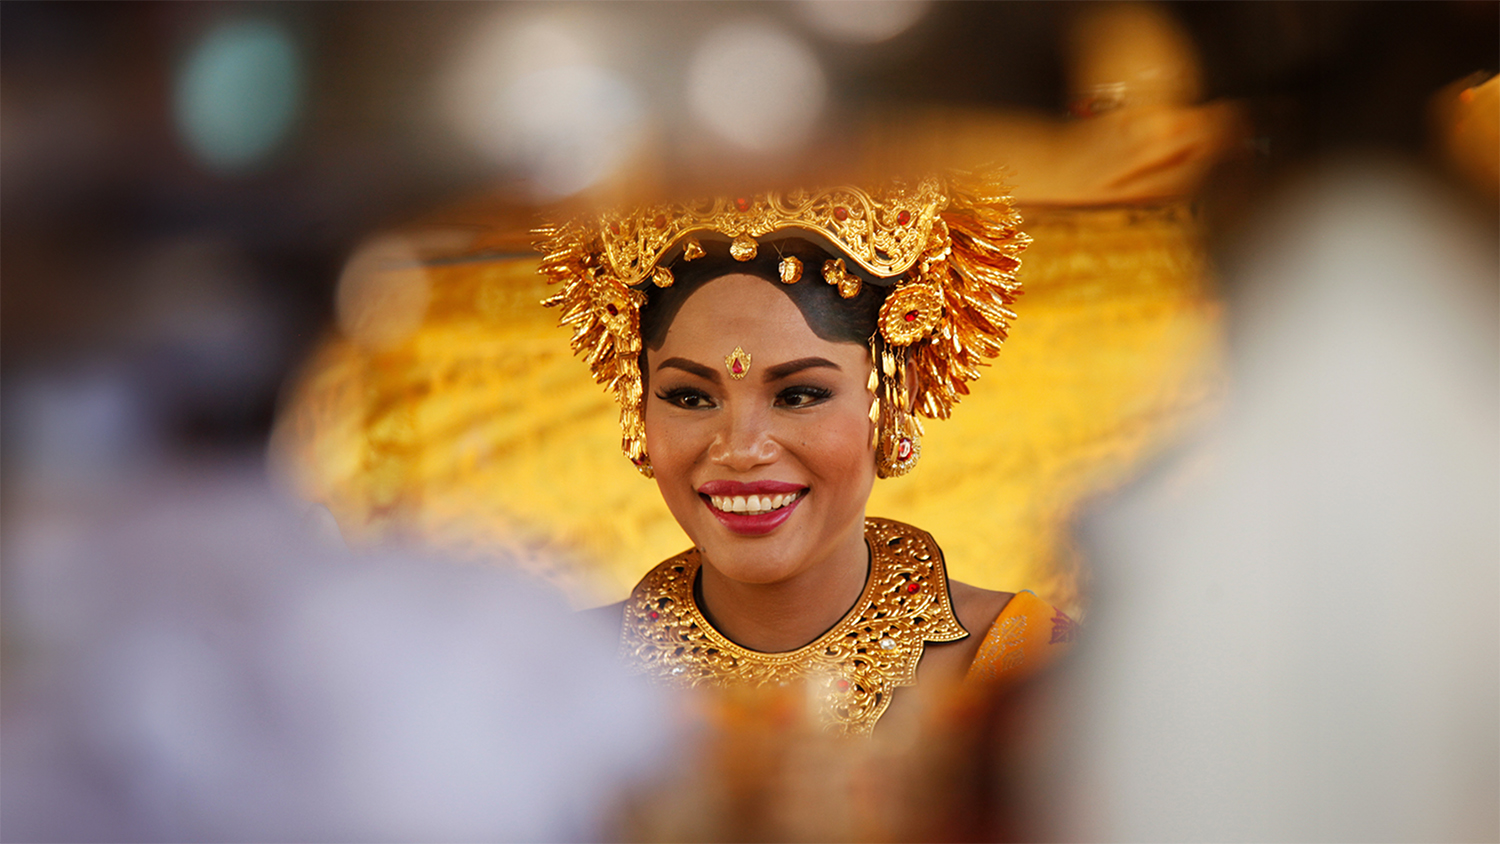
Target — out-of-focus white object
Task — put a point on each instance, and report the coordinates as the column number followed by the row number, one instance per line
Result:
column 182, row 664
column 862, row 21
column 1295, row 626
column 538, row 95
column 756, row 86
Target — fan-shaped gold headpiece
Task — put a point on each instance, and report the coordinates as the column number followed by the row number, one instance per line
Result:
column 949, row 246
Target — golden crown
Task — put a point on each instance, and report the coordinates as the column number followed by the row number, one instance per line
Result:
column 950, row 246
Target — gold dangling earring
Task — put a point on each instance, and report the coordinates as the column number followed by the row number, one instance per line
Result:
column 635, row 451
column 899, row 442
column 633, row 443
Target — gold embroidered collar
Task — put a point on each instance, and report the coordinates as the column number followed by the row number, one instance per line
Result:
column 855, row 666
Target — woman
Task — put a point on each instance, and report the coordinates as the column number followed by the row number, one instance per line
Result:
column 770, row 355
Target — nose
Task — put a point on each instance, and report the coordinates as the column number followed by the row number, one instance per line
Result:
column 744, row 440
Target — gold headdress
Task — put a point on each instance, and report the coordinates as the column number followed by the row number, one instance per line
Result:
column 949, row 247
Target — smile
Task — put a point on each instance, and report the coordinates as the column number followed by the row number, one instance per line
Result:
column 752, row 509
column 753, row 505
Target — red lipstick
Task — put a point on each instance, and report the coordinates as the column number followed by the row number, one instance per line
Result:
column 747, row 524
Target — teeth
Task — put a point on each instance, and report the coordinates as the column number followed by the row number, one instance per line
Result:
column 752, row 504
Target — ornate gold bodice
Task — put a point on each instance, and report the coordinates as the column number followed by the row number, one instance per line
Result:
column 853, row 668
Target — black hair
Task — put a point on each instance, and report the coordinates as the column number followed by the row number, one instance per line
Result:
column 830, row 316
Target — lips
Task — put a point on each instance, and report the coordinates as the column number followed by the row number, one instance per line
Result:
column 751, row 509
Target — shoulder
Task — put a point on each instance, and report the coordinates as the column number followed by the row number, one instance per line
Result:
column 977, row 608
column 1027, row 634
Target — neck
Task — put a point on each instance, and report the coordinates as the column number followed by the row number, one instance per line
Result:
column 784, row 616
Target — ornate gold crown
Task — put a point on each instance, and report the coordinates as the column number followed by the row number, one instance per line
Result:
column 951, row 248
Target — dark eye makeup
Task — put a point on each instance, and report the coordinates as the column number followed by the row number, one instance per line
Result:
column 802, row 396
column 690, row 398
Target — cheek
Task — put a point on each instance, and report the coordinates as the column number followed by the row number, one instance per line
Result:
column 674, row 443
column 841, row 445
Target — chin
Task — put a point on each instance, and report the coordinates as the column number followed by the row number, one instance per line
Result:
column 756, row 561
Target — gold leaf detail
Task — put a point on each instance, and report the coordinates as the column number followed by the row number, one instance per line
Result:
column 744, row 248
column 791, row 269
column 835, row 274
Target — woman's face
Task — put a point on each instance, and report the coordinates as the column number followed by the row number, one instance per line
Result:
column 769, row 473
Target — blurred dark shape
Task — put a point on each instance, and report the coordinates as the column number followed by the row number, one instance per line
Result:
column 184, row 663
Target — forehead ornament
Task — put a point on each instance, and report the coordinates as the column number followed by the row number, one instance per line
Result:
column 738, row 363
column 947, row 248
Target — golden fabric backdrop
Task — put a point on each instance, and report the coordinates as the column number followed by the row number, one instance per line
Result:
column 474, row 430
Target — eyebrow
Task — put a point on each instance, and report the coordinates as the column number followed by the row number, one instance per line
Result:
column 773, row 373
column 792, row 367
column 691, row 367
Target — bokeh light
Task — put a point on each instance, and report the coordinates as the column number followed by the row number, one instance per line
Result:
column 383, row 293
column 862, row 21
column 533, row 97
column 238, row 94
column 757, row 86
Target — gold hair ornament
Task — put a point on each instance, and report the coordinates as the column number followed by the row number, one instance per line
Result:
column 790, row 269
column 949, row 248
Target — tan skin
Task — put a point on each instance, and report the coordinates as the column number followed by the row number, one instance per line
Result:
column 800, row 416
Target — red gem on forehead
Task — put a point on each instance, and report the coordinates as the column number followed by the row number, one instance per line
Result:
column 614, row 228
column 742, row 203
column 613, row 311
column 903, row 218
column 653, row 615
column 738, row 368
column 914, row 587
column 841, row 213
column 911, row 316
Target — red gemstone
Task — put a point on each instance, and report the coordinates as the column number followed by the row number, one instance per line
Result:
column 914, row 587
column 653, row 615
column 742, row 203
column 903, row 448
column 911, row 316
column 738, row 369
column 613, row 311
column 614, row 228
column 843, row 685
column 841, row 213
column 903, row 218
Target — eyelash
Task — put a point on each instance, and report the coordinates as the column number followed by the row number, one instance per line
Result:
column 806, row 396
column 678, row 396
column 814, row 394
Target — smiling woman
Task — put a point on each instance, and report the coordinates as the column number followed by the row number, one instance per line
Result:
column 771, row 355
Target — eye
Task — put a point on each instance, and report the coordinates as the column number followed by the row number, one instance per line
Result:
column 689, row 398
column 802, row 396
